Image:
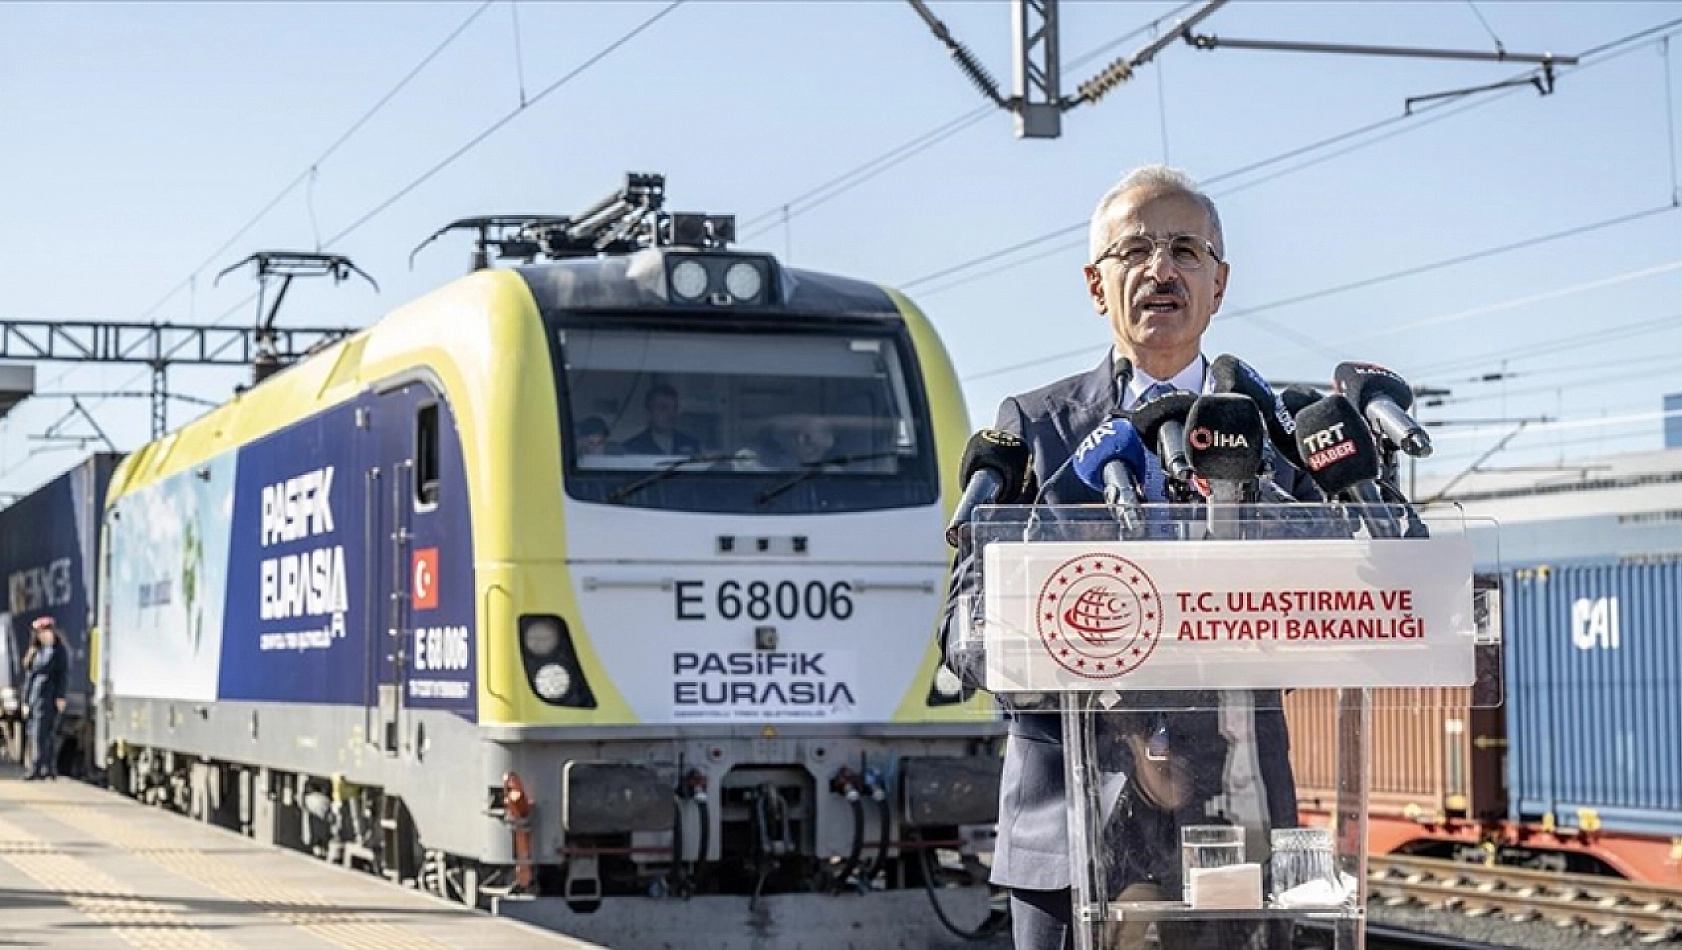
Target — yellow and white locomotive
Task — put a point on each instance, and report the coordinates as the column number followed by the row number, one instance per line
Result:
column 610, row 574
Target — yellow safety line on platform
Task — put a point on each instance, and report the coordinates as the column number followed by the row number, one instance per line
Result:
column 145, row 923
column 308, row 911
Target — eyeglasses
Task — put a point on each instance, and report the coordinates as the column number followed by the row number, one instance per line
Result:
column 1186, row 251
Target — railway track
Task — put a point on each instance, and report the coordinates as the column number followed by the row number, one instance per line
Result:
column 1394, row 938
column 1609, row 907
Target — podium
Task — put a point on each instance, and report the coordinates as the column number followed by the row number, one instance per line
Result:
column 1164, row 641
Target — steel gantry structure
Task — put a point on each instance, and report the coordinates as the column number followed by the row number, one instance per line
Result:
column 159, row 346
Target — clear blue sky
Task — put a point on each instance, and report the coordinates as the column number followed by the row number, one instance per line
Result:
column 136, row 139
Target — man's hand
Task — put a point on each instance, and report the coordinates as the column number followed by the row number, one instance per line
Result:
column 61, row 705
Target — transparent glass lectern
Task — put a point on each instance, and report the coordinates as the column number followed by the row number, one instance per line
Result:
column 1165, row 641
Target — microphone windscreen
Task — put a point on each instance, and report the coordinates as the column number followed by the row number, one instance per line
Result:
column 1298, row 397
column 1149, row 417
column 1224, row 434
column 1001, row 452
column 1113, row 440
column 1362, row 382
column 1233, row 375
column 1337, row 447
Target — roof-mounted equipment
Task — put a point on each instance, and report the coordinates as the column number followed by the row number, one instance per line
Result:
column 631, row 219
column 286, row 265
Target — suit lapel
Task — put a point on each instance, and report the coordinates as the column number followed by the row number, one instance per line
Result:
column 1082, row 409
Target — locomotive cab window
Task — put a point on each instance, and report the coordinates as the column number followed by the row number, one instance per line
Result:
column 426, row 455
column 756, row 421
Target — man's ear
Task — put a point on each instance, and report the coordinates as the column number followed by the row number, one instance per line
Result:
column 1095, row 288
column 1221, row 274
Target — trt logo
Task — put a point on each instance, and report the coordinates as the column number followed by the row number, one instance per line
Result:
column 1324, row 438
column 1594, row 623
column 1202, row 438
column 423, row 579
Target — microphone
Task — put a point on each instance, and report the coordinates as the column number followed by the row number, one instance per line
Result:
column 996, row 466
column 1297, row 397
column 1224, row 434
column 1233, row 375
column 1162, row 424
column 1342, row 458
column 1111, row 459
column 1384, row 398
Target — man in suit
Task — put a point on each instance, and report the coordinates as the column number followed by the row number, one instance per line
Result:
column 662, row 437
column 1157, row 272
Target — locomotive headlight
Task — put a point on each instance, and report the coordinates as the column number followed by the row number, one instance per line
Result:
column 689, row 279
column 540, row 637
column 552, row 681
column 744, row 280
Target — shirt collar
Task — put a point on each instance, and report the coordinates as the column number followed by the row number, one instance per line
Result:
column 1193, row 379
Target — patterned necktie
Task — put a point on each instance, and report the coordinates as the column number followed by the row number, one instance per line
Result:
column 1156, row 481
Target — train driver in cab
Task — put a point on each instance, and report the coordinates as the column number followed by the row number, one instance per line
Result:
column 662, row 437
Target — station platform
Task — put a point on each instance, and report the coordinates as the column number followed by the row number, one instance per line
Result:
column 84, row 868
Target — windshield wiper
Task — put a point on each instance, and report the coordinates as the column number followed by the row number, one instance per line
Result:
column 812, row 470
column 672, row 468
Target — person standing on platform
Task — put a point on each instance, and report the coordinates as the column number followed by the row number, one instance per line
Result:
column 46, row 675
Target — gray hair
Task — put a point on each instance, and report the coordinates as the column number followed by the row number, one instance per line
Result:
column 1151, row 178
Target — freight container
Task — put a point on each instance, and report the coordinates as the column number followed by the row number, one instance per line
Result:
column 1433, row 757
column 48, row 544
column 1594, row 680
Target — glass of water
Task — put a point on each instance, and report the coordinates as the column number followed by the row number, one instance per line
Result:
column 1204, row 847
column 1304, row 868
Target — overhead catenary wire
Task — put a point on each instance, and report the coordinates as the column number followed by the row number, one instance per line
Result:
column 1441, row 111
column 1499, row 46
column 496, row 126
column 309, row 170
column 1061, row 232
column 1324, row 349
column 457, row 153
column 1625, row 366
column 306, row 176
column 781, row 214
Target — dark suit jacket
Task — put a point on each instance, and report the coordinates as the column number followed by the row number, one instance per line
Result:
column 643, row 444
column 1033, row 847
column 46, row 679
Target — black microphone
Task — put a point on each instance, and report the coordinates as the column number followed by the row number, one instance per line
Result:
column 1341, row 456
column 1384, row 398
column 1162, row 425
column 1224, row 433
column 1297, row 397
column 1233, row 375
column 995, row 468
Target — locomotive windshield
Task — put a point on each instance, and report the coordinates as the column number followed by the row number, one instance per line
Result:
column 743, row 420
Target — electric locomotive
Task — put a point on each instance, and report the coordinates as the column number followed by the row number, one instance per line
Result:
column 611, row 572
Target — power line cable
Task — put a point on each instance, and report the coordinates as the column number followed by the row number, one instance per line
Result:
column 1458, row 315
column 1577, row 370
column 1305, row 341
column 1442, row 111
column 1670, row 123
column 464, row 149
column 1499, row 47
column 310, row 169
column 1600, row 336
column 1253, row 312
column 492, row 129
column 308, row 175
column 859, row 174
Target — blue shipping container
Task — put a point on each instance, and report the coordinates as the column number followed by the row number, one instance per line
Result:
column 1594, row 693
column 48, row 541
